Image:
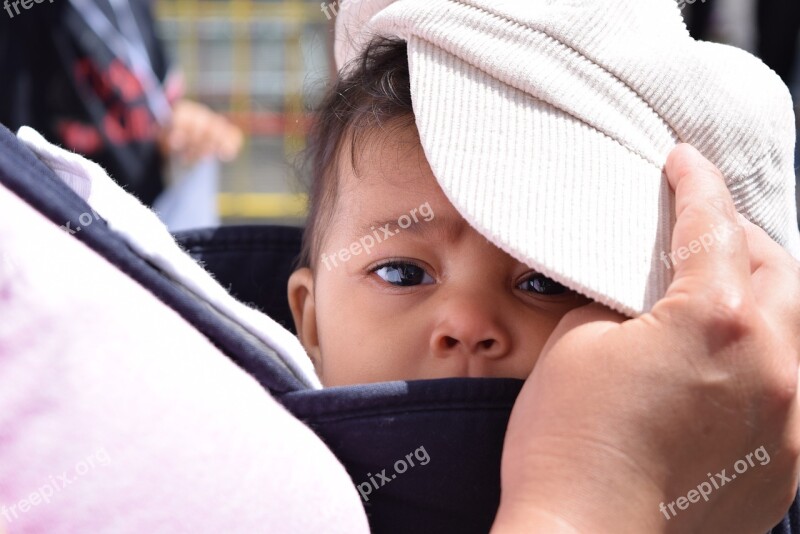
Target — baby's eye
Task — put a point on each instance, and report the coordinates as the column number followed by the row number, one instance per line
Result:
column 541, row 285
column 403, row 274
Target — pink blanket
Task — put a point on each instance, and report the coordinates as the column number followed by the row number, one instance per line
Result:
column 117, row 416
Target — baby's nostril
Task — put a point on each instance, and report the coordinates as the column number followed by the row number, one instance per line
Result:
column 487, row 343
column 450, row 342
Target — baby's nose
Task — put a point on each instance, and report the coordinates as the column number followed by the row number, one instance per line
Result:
column 465, row 329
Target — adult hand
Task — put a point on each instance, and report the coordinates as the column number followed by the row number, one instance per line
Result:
column 684, row 419
column 195, row 131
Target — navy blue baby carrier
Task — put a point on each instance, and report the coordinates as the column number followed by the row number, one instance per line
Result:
column 424, row 455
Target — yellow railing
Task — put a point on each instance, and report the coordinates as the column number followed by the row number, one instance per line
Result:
column 242, row 196
column 288, row 11
column 262, row 205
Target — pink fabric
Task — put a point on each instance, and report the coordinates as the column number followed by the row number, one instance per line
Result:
column 117, row 416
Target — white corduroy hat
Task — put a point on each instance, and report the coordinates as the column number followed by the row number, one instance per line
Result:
column 547, row 124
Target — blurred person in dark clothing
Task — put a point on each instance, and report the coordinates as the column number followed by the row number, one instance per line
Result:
column 778, row 27
column 698, row 17
column 777, row 24
column 92, row 76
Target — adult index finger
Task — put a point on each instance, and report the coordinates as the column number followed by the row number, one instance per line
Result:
column 709, row 246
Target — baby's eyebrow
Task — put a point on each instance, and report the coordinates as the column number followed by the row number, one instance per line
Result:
column 447, row 228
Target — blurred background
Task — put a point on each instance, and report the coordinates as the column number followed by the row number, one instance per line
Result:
column 232, row 87
column 264, row 64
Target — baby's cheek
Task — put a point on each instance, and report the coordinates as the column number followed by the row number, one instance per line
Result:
column 348, row 356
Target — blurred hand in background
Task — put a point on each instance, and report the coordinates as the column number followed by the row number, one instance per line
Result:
column 195, row 131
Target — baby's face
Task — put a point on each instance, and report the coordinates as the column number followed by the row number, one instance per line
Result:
column 432, row 300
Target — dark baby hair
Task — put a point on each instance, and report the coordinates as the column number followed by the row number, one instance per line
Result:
column 372, row 93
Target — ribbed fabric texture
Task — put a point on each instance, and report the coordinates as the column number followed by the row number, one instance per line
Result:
column 548, row 123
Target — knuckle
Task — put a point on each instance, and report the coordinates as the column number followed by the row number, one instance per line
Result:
column 729, row 314
column 694, row 213
column 780, row 403
column 778, row 373
column 730, row 236
column 791, row 449
column 781, row 390
column 725, row 207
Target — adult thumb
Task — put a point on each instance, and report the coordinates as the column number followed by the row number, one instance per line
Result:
column 594, row 319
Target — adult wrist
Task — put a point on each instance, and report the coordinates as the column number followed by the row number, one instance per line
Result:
column 522, row 519
column 595, row 499
column 532, row 518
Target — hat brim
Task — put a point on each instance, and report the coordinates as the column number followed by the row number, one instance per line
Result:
column 551, row 191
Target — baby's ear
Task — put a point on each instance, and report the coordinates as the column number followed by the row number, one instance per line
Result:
column 304, row 312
